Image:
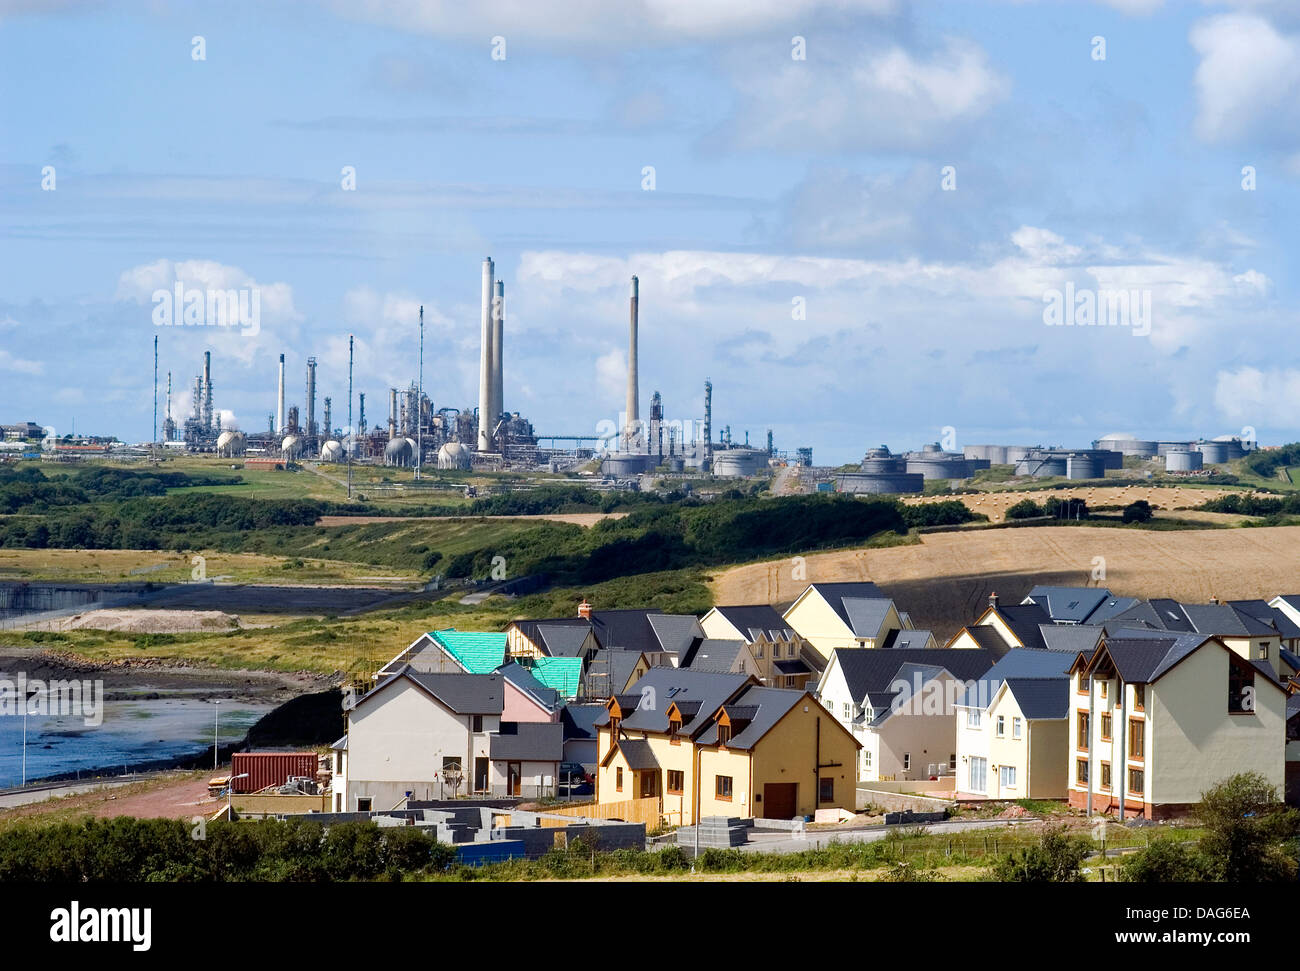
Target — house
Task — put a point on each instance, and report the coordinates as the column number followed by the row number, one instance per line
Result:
column 981, row 637
column 525, row 758
column 1287, row 627
column 559, row 637
column 1075, row 638
column 426, row 735
column 784, row 659
column 579, row 723
column 1292, row 783
column 1013, row 727
column 450, row 651
column 835, row 615
column 1158, row 717
column 720, row 654
column 1253, row 637
column 726, row 743
column 898, row 705
column 526, row 698
column 1077, row 605
column 910, row 640
column 613, row 670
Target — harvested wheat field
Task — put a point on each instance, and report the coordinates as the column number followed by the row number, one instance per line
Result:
column 995, row 504
column 945, row 580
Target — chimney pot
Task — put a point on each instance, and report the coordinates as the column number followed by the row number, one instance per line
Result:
column 993, row 599
column 584, row 610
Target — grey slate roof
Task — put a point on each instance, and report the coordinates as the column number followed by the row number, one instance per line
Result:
column 1141, row 658
column 1068, row 605
column 906, row 639
column 1261, row 611
column 1020, row 663
column 675, row 633
column 708, row 689
column 465, row 694
column 835, row 593
column 753, row 715
column 794, row 666
column 1292, row 706
column 638, row 753
column 563, row 640
column 988, row 638
column 523, row 679
column 1222, row 620
column 341, row 745
column 619, row 663
column 752, row 618
column 1113, row 606
column 1041, row 697
column 1290, row 658
column 865, row 616
column 872, row 671
column 579, row 721
column 528, row 742
column 714, row 654
column 1023, row 619
column 1080, row 638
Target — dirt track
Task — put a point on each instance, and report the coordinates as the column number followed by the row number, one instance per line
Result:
column 945, row 580
column 577, row 518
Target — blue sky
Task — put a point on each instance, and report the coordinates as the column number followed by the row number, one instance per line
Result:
column 775, row 179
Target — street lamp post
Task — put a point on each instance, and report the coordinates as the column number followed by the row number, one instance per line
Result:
column 216, row 720
column 230, row 795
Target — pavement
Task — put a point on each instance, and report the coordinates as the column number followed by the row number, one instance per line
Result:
column 11, row 798
column 779, row 841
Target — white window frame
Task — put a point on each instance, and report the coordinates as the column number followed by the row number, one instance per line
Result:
column 983, row 765
column 974, row 719
column 1016, row 727
column 1002, row 726
column 1005, row 772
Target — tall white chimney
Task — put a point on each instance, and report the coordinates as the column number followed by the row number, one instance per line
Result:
column 498, row 349
column 633, row 415
column 485, row 373
column 279, row 410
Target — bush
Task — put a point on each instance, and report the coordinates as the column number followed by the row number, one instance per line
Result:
column 1056, row 859
column 1138, row 512
column 1165, row 861
column 1024, row 509
column 1247, row 827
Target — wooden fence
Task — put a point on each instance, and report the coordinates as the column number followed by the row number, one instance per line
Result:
column 629, row 810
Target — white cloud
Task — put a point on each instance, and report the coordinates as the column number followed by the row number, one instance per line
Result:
column 888, row 99
column 18, row 365
column 1248, row 79
column 611, row 374
column 1258, row 397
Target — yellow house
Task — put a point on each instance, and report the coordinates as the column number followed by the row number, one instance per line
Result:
column 835, row 615
column 726, row 744
column 1159, row 717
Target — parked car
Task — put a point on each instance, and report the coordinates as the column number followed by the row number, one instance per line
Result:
column 574, row 780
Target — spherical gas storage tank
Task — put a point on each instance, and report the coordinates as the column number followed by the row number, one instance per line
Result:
column 399, row 451
column 231, row 443
column 454, row 455
column 331, row 451
column 291, row 447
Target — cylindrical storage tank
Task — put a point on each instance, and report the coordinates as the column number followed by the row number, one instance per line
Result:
column 994, row 454
column 231, row 443
column 454, row 455
column 1015, row 453
column 1213, row 453
column 264, row 769
column 882, row 466
column 879, row 485
column 738, row 462
column 331, row 451
column 937, row 465
column 399, row 452
column 1042, row 465
column 628, row 463
column 1085, row 465
column 1180, row 460
column 676, row 463
column 1164, row 448
column 1126, row 445
column 1233, row 445
column 1112, row 459
column 291, row 447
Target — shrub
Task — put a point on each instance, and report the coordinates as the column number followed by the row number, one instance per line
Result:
column 1024, row 509
column 1138, row 512
column 1056, row 859
column 1246, row 830
column 1164, row 861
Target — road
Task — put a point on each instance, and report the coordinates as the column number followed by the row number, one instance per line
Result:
column 11, row 798
column 777, row 841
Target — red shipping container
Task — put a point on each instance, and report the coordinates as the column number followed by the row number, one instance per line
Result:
column 262, row 769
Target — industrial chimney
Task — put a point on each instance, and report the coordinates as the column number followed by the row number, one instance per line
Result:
column 279, row 410
column 207, row 390
column 486, row 377
column 312, row 431
column 633, row 416
column 498, row 350
column 392, row 413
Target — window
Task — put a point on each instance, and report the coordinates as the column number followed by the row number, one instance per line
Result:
column 1085, row 683
column 1002, row 726
column 1007, row 776
column 618, row 778
column 363, row 804
column 830, row 705
column 978, row 774
column 952, row 762
column 1241, row 689
column 1106, row 728
column 722, row 787
column 674, row 726
column 1103, row 688
column 848, row 711
column 1015, row 728
column 1105, row 775
column 1139, row 697
column 675, row 780
column 1081, row 771
column 477, row 725
column 1136, row 741
column 1263, row 652
column 826, row 790
column 724, row 735
column 758, row 652
column 1136, row 781
column 907, row 761
column 866, row 758
column 973, row 718
column 1081, row 734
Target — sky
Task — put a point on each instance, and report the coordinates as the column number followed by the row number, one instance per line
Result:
column 865, row 221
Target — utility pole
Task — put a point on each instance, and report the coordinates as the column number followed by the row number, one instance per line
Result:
column 153, row 442
column 351, row 433
column 419, row 403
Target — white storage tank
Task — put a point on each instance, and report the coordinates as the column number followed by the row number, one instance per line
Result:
column 331, row 451
column 1183, row 460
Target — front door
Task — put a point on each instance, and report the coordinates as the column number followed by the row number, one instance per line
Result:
column 514, row 777
column 649, row 785
column 480, row 774
column 780, row 800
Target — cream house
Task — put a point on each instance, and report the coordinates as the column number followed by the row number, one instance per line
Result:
column 834, row 615
column 1012, row 728
column 1157, row 718
column 784, row 659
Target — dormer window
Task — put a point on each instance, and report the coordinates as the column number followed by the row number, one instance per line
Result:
column 674, row 727
column 724, row 735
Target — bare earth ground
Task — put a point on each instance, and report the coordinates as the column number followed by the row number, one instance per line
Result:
column 995, row 504
column 173, row 795
column 945, row 580
column 153, row 621
column 577, row 518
